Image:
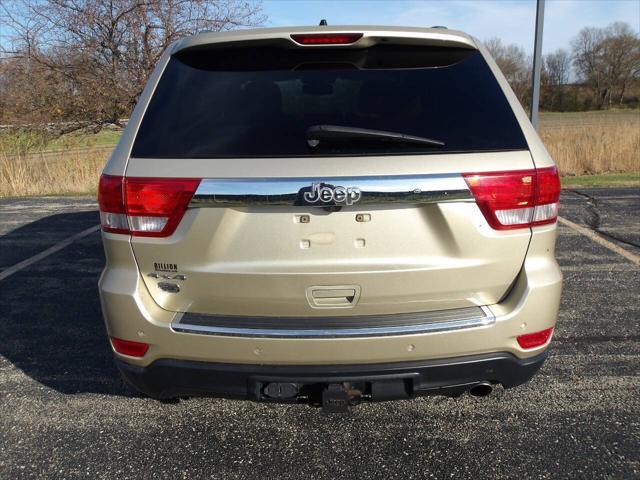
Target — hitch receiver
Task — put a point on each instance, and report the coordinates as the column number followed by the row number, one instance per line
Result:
column 335, row 399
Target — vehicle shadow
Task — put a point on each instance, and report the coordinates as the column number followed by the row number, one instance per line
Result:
column 51, row 324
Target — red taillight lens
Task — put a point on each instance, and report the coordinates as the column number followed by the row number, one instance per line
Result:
column 155, row 206
column 113, row 217
column 127, row 347
column 150, row 207
column 536, row 339
column 517, row 198
column 326, row 38
column 547, row 196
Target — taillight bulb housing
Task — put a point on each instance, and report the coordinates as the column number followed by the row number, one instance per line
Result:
column 145, row 207
column 516, row 198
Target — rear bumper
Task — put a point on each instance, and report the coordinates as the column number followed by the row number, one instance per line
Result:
column 166, row 378
column 131, row 314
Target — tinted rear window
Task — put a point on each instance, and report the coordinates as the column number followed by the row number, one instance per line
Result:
column 259, row 102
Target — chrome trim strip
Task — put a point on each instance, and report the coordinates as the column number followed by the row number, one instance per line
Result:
column 374, row 190
column 432, row 327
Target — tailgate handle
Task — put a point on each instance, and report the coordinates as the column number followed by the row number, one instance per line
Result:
column 330, row 296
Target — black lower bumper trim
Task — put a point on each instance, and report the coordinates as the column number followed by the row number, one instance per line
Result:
column 176, row 378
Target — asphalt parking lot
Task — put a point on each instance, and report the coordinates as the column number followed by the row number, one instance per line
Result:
column 65, row 413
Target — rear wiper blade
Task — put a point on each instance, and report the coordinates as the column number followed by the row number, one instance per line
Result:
column 318, row 133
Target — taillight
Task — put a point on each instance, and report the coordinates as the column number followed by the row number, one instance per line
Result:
column 536, row 339
column 155, row 206
column 127, row 347
column 149, row 207
column 517, row 198
column 326, row 38
column 113, row 216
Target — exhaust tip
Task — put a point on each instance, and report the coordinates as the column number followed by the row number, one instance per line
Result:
column 481, row 390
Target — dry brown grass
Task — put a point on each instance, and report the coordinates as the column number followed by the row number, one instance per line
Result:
column 592, row 143
column 68, row 173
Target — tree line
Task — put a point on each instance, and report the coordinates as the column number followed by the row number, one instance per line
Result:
column 83, row 63
column 601, row 70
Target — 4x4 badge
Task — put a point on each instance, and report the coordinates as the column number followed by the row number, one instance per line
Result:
column 329, row 194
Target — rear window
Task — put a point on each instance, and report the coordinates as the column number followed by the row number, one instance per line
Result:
column 259, row 102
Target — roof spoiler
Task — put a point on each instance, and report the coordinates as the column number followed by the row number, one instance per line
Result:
column 368, row 36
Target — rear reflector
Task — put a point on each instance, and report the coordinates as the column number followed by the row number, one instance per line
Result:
column 517, row 198
column 326, row 38
column 127, row 347
column 151, row 207
column 533, row 340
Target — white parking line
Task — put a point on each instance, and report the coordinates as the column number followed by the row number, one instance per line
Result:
column 45, row 253
column 600, row 240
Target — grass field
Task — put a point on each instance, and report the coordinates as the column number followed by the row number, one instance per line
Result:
column 71, row 173
column 596, row 117
column 82, row 140
column 605, row 180
column 584, row 143
column 26, row 143
column 590, row 148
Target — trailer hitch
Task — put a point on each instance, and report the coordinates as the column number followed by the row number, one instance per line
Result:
column 338, row 397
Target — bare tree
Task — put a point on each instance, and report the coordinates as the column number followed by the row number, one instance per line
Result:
column 587, row 58
column 100, row 53
column 621, row 51
column 607, row 60
column 556, row 73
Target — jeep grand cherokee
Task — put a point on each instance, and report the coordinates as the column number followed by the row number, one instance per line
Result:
column 329, row 215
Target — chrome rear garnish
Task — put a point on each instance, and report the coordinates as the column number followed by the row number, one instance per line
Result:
column 334, row 327
column 321, row 192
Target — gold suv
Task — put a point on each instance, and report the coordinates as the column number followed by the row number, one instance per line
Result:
column 329, row 215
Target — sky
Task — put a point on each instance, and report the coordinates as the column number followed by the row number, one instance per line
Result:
column 510, row 20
